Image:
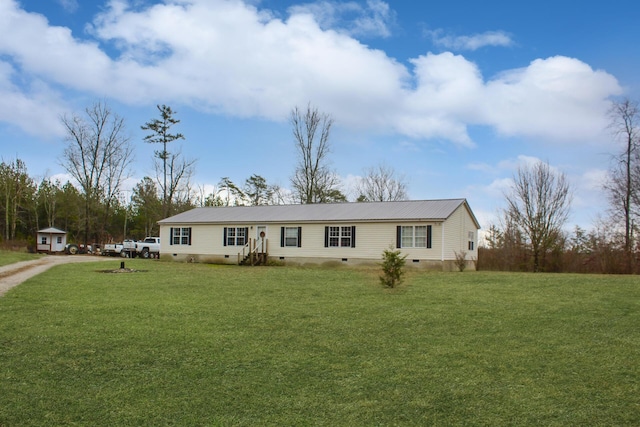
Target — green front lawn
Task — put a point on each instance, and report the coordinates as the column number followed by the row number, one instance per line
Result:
column 192, row 344
column 10, row 257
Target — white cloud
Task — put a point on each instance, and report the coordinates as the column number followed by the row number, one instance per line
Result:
column 474, row 42
column 36, row 109
column 560, row 98
column 512, row 165
column 69, row 5
column 350, row 17
column 232, row 58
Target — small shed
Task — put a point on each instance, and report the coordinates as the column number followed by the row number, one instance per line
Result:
column 51, row 240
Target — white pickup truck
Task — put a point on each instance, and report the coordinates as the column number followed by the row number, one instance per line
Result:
column 126, row 249
column 149, row 247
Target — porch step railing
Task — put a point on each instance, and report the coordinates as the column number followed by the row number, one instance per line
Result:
column 255, row 252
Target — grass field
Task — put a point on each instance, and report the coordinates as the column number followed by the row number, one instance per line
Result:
column 191, row 344
column 9, row 257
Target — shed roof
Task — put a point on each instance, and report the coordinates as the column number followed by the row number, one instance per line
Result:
column 52, row 230
column 410, row 210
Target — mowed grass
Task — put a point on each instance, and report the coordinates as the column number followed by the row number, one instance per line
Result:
column 10, row 257
column 191, row 344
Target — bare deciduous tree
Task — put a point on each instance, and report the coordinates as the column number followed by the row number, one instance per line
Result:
column 380, row 184
column 98, row 156
column 47, row 199
column 313, row 181
column 624, row 176
column 539, row 205
column 173, row 176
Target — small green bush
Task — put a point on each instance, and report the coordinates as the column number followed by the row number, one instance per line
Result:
column 392, row 267
column 461, row 260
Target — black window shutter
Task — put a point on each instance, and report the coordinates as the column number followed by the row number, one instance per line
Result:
column 398, row 237
column 353, row 236
column 428, row 237
column 224, row 237
column 171, row 236
column 299, row 237
column 246, row 235
column 189, row 236
column 326, row 237
column 282, row 237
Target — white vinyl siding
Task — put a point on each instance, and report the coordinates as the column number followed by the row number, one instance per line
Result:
column 371, row 239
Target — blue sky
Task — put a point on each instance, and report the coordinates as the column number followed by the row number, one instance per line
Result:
column 452, row 95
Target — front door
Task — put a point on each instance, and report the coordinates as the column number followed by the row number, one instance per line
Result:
column 261, row 237
column 261, row 232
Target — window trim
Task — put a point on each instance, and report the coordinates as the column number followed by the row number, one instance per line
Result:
column 235, row 237
column 340, row 237
column 183, row 238
column 283, row 237
column 400, row 235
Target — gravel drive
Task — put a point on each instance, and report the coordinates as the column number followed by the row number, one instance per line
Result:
column 13, row 274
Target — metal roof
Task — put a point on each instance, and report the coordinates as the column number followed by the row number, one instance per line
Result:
column 410, row 210
column 52, row 230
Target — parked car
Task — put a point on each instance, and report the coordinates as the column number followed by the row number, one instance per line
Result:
column 149, row 247
column 126, row 249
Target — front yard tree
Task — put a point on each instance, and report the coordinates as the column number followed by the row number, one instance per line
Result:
column 538, row 205
column 624, row 176
column 161, row 134
column 98, row 157
column 313, row 181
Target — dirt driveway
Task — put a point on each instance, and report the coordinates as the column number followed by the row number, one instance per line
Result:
column 13, row 274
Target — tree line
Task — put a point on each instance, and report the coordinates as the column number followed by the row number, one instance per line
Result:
column 94, row 207
column 530, row 234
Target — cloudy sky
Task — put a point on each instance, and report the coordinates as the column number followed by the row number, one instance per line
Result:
column 452, row 95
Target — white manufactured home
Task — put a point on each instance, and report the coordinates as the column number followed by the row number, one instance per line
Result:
column 431, row 233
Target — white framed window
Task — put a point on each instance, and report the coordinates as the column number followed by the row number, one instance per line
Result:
column 235, row 236
column 180, row 236
column 291, row 237
column 340, row 236
column 413, row 236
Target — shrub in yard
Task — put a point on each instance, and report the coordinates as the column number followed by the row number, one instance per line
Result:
column 392, row 265
column 461, row 260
